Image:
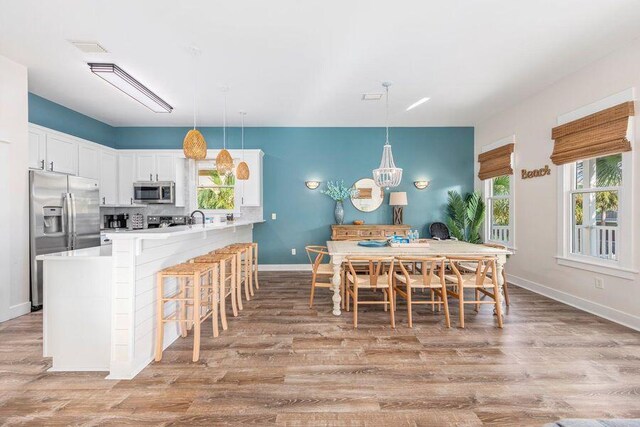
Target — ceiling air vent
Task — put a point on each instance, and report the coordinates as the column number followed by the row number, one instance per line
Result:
column 371, row 96
column 89, row 47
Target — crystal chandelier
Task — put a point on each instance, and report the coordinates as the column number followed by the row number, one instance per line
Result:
column 387, row 175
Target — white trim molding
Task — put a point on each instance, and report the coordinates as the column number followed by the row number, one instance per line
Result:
column 617, row 316
column 284, row 267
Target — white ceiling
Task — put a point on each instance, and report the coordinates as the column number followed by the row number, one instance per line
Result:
column 306, row 63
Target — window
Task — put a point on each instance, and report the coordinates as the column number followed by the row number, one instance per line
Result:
column 499, row 201
column 595, row 200
column 215, row 191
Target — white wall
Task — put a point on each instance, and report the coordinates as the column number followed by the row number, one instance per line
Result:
column 14, row 191
column 534, row 265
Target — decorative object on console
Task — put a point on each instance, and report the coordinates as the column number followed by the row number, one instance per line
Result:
column 122, row 80
column 242, row 172
column 398, row 199
column 368, row 197
column 338, row 192
column 224, row 162
column 465, row 216
column 312, row 185
column 421, row 185
column 358, row 222
column 387, row 175
column 194, row 145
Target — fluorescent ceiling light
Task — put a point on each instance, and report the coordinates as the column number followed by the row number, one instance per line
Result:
column 127, row 84
column 417, row 103
column 371, row 96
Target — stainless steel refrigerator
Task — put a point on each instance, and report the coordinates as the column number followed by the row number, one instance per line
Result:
column 64, row 215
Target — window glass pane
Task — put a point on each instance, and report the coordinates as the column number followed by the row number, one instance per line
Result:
column 211, row 177
column 216, row 198
column 609, row 171
column 595, row 224
column 500, row 185
column 579, row 175
column 500, row 220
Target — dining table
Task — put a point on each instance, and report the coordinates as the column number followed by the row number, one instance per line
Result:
column 339, row 250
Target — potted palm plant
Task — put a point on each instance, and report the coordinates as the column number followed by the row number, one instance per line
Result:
column 465, row 216
column 339, row 192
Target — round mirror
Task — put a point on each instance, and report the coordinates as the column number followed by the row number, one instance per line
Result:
column 369, row 196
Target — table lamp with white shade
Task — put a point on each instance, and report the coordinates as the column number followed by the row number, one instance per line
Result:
column 398, row 199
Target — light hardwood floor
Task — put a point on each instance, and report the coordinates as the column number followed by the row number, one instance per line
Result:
column 284, row 364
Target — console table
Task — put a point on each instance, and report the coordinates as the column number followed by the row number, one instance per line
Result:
column 367, row 231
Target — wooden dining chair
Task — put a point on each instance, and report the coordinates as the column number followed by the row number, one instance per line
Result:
column 431, row 276
column 482, row 280
column 321, row 272
column 505, row 285
column 377, row 278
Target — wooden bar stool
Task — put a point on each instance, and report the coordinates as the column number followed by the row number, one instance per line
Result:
column 250, row 262
column 225, row 263
column 242, row 270
column 198, row 288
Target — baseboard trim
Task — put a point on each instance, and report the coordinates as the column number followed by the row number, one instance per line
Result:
column 19, row 309
column 284, row 267
column 617, row 316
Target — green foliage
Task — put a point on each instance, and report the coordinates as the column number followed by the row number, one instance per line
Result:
column 609, row 170
column 219, row 196
column 338, row 191
column 465, row 216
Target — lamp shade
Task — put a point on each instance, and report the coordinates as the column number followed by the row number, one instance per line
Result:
column 398, row 198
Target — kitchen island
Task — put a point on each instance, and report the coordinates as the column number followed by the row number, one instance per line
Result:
column 128, row 301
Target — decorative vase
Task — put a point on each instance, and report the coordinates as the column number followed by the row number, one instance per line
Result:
column 339, row 212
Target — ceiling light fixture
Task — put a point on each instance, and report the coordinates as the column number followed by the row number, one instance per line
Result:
column 387, row 175
column 417, row 103
column 224, row 161
column 372, row 96
column 242, row 171
column 194, row 145
column 132, row 87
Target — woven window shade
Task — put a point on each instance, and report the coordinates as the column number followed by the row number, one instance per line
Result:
column 599, row 134
column 496, row 162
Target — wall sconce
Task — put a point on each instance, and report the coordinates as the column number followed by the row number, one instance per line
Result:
column 312, row 185
column 421, row 185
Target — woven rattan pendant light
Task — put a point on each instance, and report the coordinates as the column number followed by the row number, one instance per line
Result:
column 194, row 144
column 242, row 172
column 224, row 162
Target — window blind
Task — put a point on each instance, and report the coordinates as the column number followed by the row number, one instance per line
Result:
column 599, row 134
column 496, row 162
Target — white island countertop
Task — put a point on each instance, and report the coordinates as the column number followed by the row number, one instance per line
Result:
column 87, row 253
column 167, row 232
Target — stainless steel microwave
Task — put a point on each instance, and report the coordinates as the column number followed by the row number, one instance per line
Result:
column 154, row 192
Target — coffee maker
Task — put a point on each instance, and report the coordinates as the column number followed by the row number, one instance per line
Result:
column 116, row 221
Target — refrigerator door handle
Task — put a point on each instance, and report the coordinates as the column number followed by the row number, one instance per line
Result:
column 74, row 217
column 67, row 220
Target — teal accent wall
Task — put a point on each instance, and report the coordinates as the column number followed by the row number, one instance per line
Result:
column 55, row 116
column 444, row 156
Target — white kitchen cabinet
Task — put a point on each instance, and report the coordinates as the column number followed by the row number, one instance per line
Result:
column 88, row 161
column 37, row 148
column 180, row 172
column 62, row 154
column 145, row 167
column 126, row 177
column 108, row 177
column 165, row 167
column 252, row 188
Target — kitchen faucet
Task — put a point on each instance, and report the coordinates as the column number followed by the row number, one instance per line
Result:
column 193, row 220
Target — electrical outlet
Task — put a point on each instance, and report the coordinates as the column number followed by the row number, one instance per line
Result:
column 273, row 216
column 599, row 282
column 293, row 251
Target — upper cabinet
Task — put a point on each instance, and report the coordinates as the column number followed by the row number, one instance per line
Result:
column 37, row 148
column 62, row 154
column 126, row 177
column 252, row 188
column 89, row 161
column 155, row 167
column 108, row 177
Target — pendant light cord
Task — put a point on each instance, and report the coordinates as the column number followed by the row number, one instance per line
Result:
column 224, row 124
column 242, row 133
column 387, row 112
column 195, row 83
